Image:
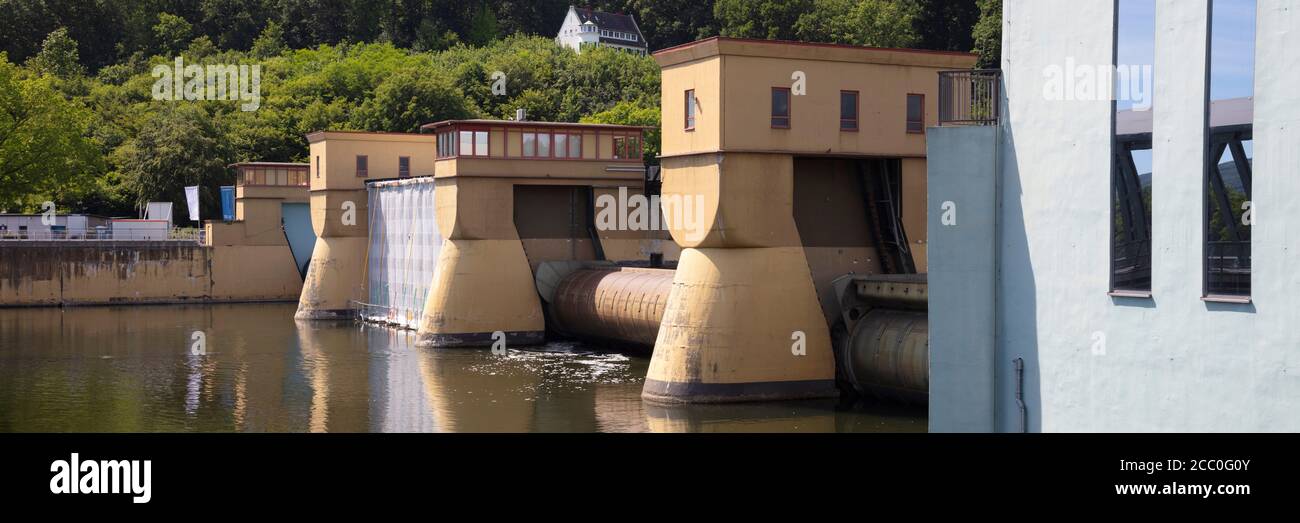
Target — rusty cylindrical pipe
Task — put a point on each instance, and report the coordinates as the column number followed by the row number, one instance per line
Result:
column 620, row 305
column 888, row 355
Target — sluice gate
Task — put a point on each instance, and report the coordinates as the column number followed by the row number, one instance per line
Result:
column 881, row 344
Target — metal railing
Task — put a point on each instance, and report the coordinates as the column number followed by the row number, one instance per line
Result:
column 175, row 234
column 970, row 97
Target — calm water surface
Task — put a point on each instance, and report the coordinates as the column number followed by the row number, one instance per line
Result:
column 130, row 369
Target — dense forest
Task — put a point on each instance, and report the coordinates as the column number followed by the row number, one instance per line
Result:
column 79, row 125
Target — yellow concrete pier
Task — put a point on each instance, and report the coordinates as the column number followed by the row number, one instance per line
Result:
column 511, row 195
column 341, row 162
column 789, row 148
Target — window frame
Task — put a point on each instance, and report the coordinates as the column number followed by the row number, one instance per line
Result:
column 789, row 108
column 403, row 160
column 689, row 111
column 857, row 111
column 363, row 166
column 907, row 114
column 1209, row 161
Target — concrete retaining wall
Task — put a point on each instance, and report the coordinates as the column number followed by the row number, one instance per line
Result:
column 99, row 273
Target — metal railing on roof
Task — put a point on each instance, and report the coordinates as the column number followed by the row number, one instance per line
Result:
column 970, row 97
column 106, row 234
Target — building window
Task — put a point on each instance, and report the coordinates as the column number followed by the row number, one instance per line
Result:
column 530, row 144
column 1130, row 173
column 403, row 166
column 1228, row 175
column 916, row 113
column 690, row 109
column 363, row 166
column 318, row 166
column 627, row 147
column 466, row 144
column 575, row 146
column 561, row 145
column 780, row 108
column 848, row 110
column 473, row 143
column 543, row 145
column 446, row 146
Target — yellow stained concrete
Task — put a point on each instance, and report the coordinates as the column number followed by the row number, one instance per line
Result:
column 340, row 211
column 335, row 278
column 95, row 274
column 733, row 318
column 481, row 287
column 745, row 282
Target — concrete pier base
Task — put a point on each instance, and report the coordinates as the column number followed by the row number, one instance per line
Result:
column 741, row 325
column 482, row 287
column 334, row 278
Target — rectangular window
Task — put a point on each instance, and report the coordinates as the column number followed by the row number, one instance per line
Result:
column 363, row 166
column 561, row 145
column 1130, row 171
column 916, row 113
column 575, row 145
column 318, row 166
column 780, row 108
column 466, row 143
column 403, row 167
column 690, row 109
column 1228, row 216
column 480, row 143
column 543, row 145
column 530, row 144
column 848, row 110
column 627, row 147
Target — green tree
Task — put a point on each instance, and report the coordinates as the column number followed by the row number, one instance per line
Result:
column 482, row 26
column 171, row 33
column 768, row 19
column 666, row 23
column 58, row 56
column 412, row 98
column 876, row 23
column 44, row 149
column 270, row 43
column 988, row 34
column 945, row 24
column 179, row 145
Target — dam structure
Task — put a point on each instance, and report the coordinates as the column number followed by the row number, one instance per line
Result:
column 341, row 164
column 811, row 163
column 447, row 228
column 246, row 256
column 785, row 256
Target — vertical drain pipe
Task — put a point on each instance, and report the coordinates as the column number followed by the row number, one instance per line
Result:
column 1020, row 394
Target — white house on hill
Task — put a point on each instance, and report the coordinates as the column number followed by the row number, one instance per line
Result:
column 586, row 27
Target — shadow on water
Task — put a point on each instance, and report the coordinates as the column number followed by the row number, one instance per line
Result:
column 134, row 369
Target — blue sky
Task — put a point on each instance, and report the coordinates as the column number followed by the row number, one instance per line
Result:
column 1232, row 44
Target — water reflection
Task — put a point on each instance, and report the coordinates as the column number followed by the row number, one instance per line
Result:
column 131, row 369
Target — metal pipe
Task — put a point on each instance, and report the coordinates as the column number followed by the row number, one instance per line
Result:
column 888, row 355
column 621, row 305
column 1020, row 394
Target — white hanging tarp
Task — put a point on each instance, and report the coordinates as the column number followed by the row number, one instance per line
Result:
column 403, row 250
